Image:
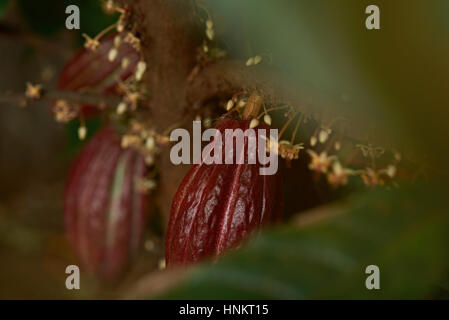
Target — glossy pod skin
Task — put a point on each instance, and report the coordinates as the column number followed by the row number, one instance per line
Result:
column 104, row 213
column 92, row 71
column 217, row 206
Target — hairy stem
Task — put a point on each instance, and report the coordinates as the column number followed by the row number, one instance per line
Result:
column 69, row 96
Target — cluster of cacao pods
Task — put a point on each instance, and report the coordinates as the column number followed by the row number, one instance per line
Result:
column 216, row 207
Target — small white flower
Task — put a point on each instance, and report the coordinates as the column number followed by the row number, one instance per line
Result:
column 112, row 54
column 121, row 26
column 149, row 245
column 391, row 171
column 91, row 43
column 250, row 62
column 33, row 91
column 288, row 150
column 109, row 6
column 125, row 63
column 372, row 178
column 149, row 160
column 339, row 175
column 230, row 105
column 117, row 41
column 121, row 108
column 254, row 123
column 207, row 122
column 82, row 132
column 323, row 136
column 209, row 24
column 161, row 264
column 320, row 162
column 145, row 185
column 141, row 68
column 210, row 34
column 267, row 119
column 337, row 146
column 150, row 144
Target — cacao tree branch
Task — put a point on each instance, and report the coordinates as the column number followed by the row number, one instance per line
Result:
column 169, row 35
column 69, row 96
column 226, row 77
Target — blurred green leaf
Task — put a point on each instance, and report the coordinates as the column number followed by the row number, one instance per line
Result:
column 47, row 17
column 19, row 237
column 392, row 83
column 3, row 4
column 403, row 232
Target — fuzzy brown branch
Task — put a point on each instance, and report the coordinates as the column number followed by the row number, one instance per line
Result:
column 169, row 35
column 167, row 29
column 69, row 96
column 223, row 79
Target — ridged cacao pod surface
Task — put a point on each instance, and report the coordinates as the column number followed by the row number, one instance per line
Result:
column 217, row 206
column 105, row 215
column 92, row 71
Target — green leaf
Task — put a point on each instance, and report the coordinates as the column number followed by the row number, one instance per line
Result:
column 3, row 4
column 403, row 232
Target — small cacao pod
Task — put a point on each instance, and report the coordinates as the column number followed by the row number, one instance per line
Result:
column 217, row 206
column 104, row 213
column 93, row 71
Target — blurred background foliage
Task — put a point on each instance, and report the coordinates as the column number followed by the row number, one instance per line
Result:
column 47, row 17
column 3, row 4
column 405, row 237
column 393, row 83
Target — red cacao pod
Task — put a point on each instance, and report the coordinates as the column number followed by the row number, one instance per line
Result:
column 104, row 213
column 218, row 205
column 92, row 71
